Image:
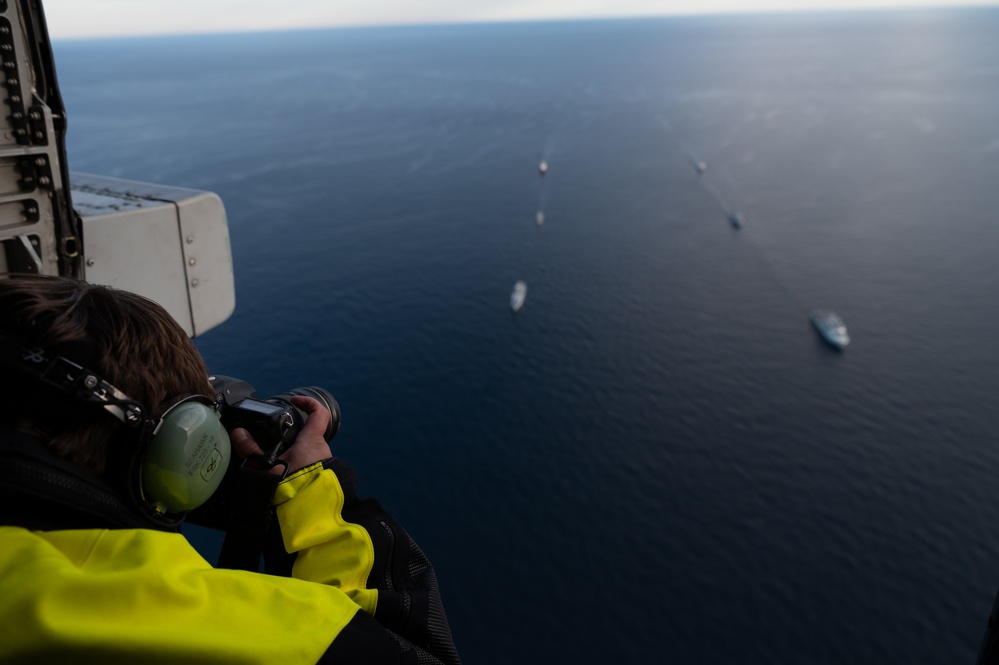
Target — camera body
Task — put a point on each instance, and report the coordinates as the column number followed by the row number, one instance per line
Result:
column 274, row 422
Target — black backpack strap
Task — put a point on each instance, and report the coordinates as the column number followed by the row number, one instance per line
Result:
column 250, row 518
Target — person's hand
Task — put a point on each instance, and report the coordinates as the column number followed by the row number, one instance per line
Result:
column 309, row 446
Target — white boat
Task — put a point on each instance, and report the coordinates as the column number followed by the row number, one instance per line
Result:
column 540, row 218
column 543, row 167
column 702, row 167
column 831, row 327
column 518, row 296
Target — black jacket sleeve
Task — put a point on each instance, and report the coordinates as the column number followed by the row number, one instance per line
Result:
column 409, row 618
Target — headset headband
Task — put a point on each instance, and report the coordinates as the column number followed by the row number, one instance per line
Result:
column 83, row 384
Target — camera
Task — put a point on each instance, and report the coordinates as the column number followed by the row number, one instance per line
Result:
column 246, row 491
column 273, row 421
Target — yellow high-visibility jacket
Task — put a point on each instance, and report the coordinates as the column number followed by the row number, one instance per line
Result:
column 357, row 590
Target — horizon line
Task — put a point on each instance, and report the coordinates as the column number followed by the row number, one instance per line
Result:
column 361, row 25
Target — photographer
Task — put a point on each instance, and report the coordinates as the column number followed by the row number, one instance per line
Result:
column 109, row 437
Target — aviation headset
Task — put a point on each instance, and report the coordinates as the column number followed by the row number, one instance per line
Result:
column 177, row 461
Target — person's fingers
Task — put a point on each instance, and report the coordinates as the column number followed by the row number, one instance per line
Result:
column 318, row 420
column 243, row 444
column 310, row 445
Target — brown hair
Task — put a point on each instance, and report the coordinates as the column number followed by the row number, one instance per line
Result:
column 129, row 340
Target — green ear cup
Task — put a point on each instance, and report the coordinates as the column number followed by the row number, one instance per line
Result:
column 187, row 459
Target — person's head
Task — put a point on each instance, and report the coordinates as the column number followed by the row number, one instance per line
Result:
column 129, row 340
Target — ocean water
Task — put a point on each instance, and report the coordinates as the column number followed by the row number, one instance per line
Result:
column 656, row 459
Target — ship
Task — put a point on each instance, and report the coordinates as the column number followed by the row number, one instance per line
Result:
column 831, row 327
column 543, row 167
column 518, row 296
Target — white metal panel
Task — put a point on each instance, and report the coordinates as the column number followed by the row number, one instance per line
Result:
column 139, row 250
column 185, row 263
column 208, row 260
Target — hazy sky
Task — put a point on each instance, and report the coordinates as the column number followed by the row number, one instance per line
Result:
column 96, row 18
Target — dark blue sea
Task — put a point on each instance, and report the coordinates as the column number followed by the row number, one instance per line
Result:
column 657, row 459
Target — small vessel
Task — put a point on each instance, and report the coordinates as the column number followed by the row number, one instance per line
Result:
column 831, row 327
column 735, row 219
column 518, row 296
column 540, row 218
column 543, row 167
column 702, row 167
